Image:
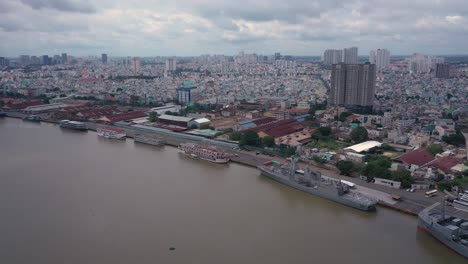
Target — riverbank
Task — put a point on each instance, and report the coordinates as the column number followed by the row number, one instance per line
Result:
column 410, row 203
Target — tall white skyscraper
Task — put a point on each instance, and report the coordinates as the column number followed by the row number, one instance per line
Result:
column 332, row 56
column 419, row 63
column 171, row 64
column 380, row 57
column 350, row 55
column 136, row 64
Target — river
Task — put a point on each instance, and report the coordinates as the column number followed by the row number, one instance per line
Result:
column 70, row 197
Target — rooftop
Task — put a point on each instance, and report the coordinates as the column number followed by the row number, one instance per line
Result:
column 416, row 157
column 445, row 163
column 364, row 146
column 176, row 118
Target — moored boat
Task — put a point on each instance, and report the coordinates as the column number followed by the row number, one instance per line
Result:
column 111, row 132
column 149, row 139
column 450, row 230
column 73, row 125
column 314, row 183
column 32, row 118
column 208, row 153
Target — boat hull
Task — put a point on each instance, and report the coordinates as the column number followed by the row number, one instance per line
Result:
column 219, row 161
column 325, row 194
column 83, row 129
column 149, row 141
column 431, row 227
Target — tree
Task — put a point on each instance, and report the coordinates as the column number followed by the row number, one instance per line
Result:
column 268, row 141
column 235, row 136
column 345, row 167
column 434, row 149
column 250, row 138
column 322, row 132
column 454, row 139
column 46, row 101
column 344, row 115
column 152, row 117
column 319, row 159
column 403, row 176
column 377, row 167
column 359, row 134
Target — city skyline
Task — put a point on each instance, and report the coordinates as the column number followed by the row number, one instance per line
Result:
column 168, row 28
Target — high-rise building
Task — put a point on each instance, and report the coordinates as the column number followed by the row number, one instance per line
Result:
column 285, row 64
column 64, row 58
column 332, row 56
column 104, row 58
column 442, row 70
column 35, row 60
column 352, row 85
column 277, row 56
column 171, row 64
column 136, row 64
column 25, row 60
column 3, row 61
column 45, row 60
column 380, row 57
column 419, row 63
column 350, row 55
column 187, row 93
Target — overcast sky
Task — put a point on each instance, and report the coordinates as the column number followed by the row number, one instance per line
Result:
column 194, row 27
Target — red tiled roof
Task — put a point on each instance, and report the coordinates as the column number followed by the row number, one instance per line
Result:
column 445, row 163
column 126, row 116
column 263, row 120
column 352, row 117
column 279, row 128
column 416, row 157
column 298, row 111
column 23, row 105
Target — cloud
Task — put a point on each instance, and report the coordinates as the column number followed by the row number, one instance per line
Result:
column 82, row 6
column 178, row 27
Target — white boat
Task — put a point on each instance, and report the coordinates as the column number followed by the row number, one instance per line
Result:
column 150, row 139
column 111, row 132
column 207, row 153
column 73, row 125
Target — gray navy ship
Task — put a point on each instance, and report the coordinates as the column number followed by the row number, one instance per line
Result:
column 450, row 230
column 313, row 183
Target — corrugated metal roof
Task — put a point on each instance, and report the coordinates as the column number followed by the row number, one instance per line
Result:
column 176, row 118
column 202, row 120
column 364, row 146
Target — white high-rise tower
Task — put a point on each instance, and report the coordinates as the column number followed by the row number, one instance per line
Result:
column 350, row 55
column 380, row 57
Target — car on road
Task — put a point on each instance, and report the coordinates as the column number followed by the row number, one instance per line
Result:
column 410, row 190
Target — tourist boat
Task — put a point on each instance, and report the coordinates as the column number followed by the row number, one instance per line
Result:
column 32, row 118
column 111, row 132
column 73, row 125
column 207, row 153
column 149, row 139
